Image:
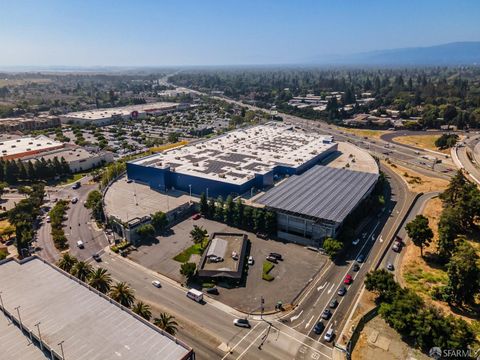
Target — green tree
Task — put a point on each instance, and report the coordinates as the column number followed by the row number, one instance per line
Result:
column 419, row 231
column 258, row 220
column 238, row 213
column 229, row 210
column 100, row 280
column 159, row 221
column 382, row 283
column 123, row 294
column 332, row 247
column 146, row 231
column 142, row 309
column 198, row 234
column 173, row 137
column 204, row 205
column 82, row 270
column 463, row 274
column 219, row 209
column 188, row 270
column 270, row 222
column 167, row 323
column 448, row 229
column 67, row 262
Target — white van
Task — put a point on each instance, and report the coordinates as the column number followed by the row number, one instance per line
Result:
column 80, row 244
column 195, row 295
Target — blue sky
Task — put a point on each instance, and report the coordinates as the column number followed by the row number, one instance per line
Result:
column 215, row 32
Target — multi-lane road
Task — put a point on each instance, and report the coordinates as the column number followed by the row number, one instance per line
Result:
column 77, row 226
column 209, row 328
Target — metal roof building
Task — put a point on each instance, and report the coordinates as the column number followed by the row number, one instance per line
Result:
column 54, row 308
column 314, row 205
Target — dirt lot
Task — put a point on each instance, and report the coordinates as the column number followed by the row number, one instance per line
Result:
column 291, row 275
column 421, row 141
column 420, row 275
column 380, row 341
column 365, row 132
column 417, row 182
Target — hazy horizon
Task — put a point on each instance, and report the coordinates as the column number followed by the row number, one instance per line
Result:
column 147, row 33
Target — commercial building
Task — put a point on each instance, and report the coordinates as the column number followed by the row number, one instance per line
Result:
column 314, row 205
column 29, row 124
column 235, row 162
column 224, row 256
column 107, row 116
column 78, row 158
column 27, row 146
column 63, row 318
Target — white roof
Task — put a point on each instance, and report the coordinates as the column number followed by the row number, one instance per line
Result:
column 27, row 144
column 237, row 156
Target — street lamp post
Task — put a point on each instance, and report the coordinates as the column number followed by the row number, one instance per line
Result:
column 1, row 302
column 190, row 188
column 61, row 348
column 19, row 317
column 39, row 335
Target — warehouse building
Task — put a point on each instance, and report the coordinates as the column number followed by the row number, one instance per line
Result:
column 110, row 115
column 29, row 124
column 60, row 317
column 314, row 205
column 234, row 163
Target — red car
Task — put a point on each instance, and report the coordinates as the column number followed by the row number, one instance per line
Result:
column 196, row 216
column 348, row 279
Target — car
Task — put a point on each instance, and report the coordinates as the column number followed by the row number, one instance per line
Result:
column 348, row 279
column 48, row 219
column 342, row 291
column 242, row 323
column 397, row 246
column 333, row 304
column 156, row 283
column 215, row 259
column 318, row 328
column 129, row 181
column 356, row 267
column 271, row 259
column 80, row 244
column 276, row 255
column 76, row 185
column 329, row 335
column 356, row 241
column 326, row 314
column 196, row 216
column 212, row 290
column 261, row 235
column 250, row 260
column 96, row 257
column 361, row 258
column 390, row 267
column 74, row 200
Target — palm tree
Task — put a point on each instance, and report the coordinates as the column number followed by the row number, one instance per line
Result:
column 123, row 294
column 100, row 279
column 167, row 323
column 142, row 309
column 81, row 270
column 66, row 262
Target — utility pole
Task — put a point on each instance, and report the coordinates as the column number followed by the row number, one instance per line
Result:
column 262, row 302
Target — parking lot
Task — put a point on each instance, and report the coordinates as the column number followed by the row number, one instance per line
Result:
column 299, row 265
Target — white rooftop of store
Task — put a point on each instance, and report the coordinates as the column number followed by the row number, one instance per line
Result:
column 237, row 156
column 106, row 113
column 25, row 144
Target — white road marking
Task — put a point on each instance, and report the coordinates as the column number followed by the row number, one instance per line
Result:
column 253, row 342
column 309, row 321
column 293, row 318
column 321, row 287
column 331, row 288
column 243, row 338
